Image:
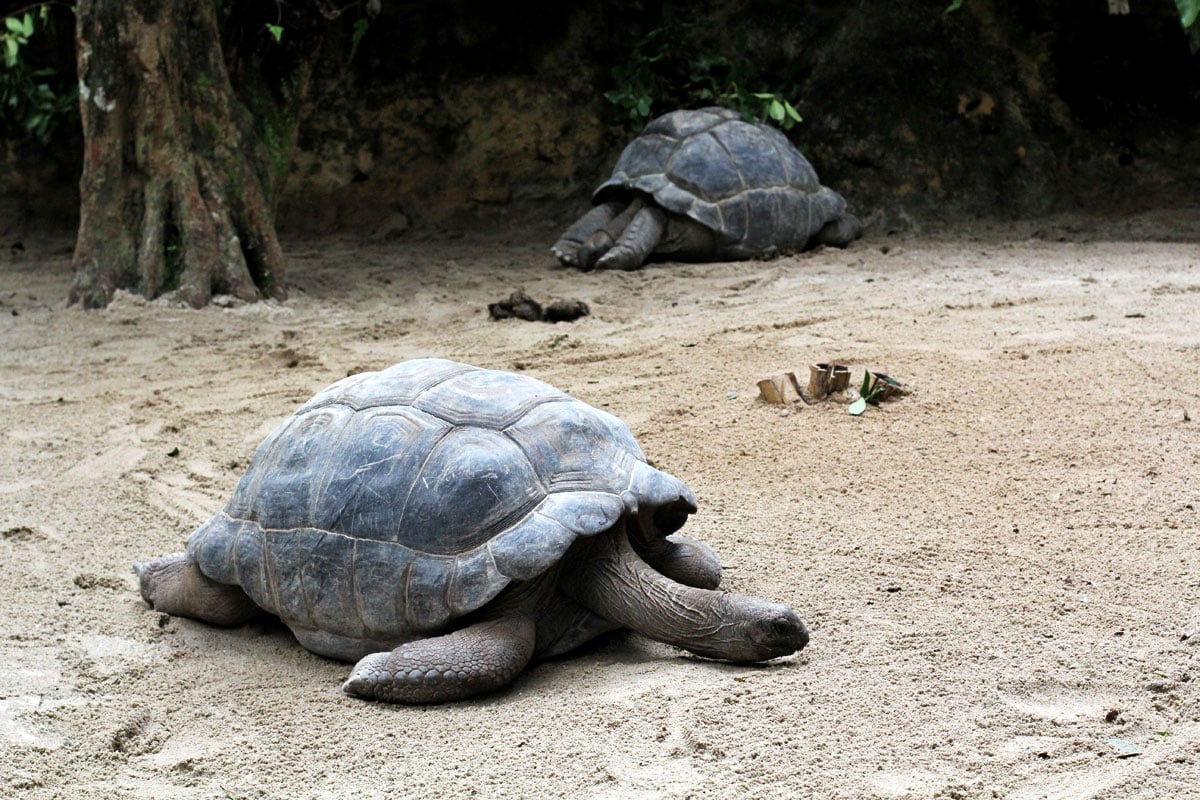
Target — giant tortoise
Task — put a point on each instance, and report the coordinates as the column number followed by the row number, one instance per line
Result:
column 443, row 525
column 706, row 186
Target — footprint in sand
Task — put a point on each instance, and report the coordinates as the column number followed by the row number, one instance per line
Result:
column 1070, row 767
column 665, row 766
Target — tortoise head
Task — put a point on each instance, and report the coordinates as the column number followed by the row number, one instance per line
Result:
column 747, row 630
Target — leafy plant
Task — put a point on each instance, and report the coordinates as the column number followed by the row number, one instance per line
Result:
column 30, row 97
column 663, row 71
column 875, row 385
column 778, row 109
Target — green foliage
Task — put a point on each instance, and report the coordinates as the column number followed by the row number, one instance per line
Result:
column 360, row 30
column 672, row 66
column 1188, row 11
column 16, row 34
column 31, row 100
column 875, row 387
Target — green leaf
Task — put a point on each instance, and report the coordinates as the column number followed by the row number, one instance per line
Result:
column 765, row 95
column 643, row 106
column 360, row 30
column 27, row 25
column 954, row 6
column 776, row 112
column 276, row 31
column 792, row 112
column 10, row 52
column 858, row 407
column 13, row 24
column 1188, row 10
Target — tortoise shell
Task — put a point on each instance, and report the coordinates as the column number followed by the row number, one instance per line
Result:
column 394, row 502
column 745, row 182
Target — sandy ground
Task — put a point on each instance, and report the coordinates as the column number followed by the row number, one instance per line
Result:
column 1001, row 570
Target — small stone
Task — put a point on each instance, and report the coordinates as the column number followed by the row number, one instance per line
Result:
column 1125, row 748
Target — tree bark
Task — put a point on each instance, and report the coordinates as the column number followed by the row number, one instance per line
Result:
column 177, row 187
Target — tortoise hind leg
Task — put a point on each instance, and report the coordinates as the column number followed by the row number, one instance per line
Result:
column 174, row 584
column 838, row 232
column 476, row 659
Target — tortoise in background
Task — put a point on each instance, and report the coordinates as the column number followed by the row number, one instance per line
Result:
column 443, row 525
column 706, row 186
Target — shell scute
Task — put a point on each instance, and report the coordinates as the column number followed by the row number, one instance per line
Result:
column 378, row 570
column 565, row 442
column 426, row 607
column 278, row 490
column 485, row 399
column 362, row 487
column 526, row 549
column 473, row 483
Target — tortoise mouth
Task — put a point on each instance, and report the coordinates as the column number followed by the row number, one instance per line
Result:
column 783, row 634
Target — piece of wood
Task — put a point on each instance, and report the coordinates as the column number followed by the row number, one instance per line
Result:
column 781, row 390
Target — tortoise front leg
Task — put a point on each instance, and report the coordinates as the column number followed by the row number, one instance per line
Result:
column 174, row 584
column 566, row 249
column 637, row 241
column 684, row 560
column 607, row 235
column 478, row 658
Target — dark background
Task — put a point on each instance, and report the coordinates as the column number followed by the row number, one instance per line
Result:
column 453, row 111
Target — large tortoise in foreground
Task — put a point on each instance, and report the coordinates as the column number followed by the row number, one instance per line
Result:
column 706, row 186
column 443, row 525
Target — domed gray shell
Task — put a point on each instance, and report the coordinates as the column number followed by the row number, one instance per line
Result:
column 745, row 182
column 395, row 501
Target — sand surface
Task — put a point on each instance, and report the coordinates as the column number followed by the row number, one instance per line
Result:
column 1001, row 571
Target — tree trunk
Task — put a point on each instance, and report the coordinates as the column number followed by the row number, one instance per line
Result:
column 177, row 186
